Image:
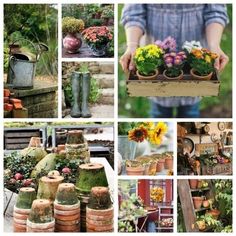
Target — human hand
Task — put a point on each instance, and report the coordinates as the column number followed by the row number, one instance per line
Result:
column 126, row 60
column 222, row 59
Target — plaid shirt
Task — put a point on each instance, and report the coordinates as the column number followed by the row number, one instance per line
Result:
column 184, row 22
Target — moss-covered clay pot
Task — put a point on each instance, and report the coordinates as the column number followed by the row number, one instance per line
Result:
column 168, row 163
column 48, row 187
column 99, row 220
column 77, row 146
column 22, row 208
column 91, row 175
column 35, row 142
column 99, row 198
column 41, row 217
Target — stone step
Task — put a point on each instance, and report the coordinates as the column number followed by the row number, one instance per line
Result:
column 105, row 80
column 106, row 67
column 107, row 96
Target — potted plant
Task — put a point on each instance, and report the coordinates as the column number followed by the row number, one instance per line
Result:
column 193, row 183
column 174, row 63
column 197, row 202
column 168, row 164
column 202, row 63
column 134, row 168
column 98, row 39
column 147, row 60
column 108, row 15
column 167, row 45
column 71, row 27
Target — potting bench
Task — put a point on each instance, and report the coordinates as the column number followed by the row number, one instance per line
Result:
column 185, row 194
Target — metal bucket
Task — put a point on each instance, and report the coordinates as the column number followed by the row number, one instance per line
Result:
column 21, row 69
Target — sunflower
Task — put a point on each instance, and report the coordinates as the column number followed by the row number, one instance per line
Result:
column 138, row 134
column 149, row 125
column 157, row 133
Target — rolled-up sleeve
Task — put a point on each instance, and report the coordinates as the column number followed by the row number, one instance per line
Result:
column 134, row 15
column 216, row 13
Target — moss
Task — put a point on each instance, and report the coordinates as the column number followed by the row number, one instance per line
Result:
column 35, row 152
column 38, row 215
column 65, row 197
column 100, row 202
column 25, row 199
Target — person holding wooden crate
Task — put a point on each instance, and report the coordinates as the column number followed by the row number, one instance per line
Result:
column 184, row 22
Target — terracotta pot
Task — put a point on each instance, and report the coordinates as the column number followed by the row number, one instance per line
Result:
column 61, row 207
column 96, row 228
column 214, row 213
column 19, row 227
column 72, row 43
column 62, row 222
column 21, row 211
column 41, row 212
column 168, row 163
column 67, row 213
column 139, row 170
column 193, row 183
column 35, row 142
column 150, row 77
column 160, row 166
column 53, row 173
column 199, row 184
column 67, row 218
column 91, row 175
column 153, row 168
column 67, row 228
column 61, row 147
column 195, row 76
column 20, row 216
column 66, row 195
column 197, row 202
column 146, row 168
column 29, row 229
column 48, row 187
column 173, row 78
column 20, row 222
column 25, row 198
column 107, row 212
column 205, row 203
column 99, row 222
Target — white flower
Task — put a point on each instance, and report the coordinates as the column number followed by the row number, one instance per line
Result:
column 191, row 45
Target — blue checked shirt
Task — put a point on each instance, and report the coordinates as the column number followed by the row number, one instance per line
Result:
column 184, row 22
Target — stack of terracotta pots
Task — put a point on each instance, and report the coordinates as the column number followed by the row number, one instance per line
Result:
column 22, row 208
column 99, row 212
column 90, row 175
column 77, row 146
column 41, row 217
column 67, row 209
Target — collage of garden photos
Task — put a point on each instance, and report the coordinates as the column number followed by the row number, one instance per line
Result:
column 117, row 117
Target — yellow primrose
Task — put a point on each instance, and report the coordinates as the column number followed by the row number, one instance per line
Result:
column 208, row 58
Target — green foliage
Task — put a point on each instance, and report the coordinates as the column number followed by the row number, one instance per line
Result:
column 201, row 67
column 72, row 25
column 124, row 127
column 107, row 12
column 173, row 72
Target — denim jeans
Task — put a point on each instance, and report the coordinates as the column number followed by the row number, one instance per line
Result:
column 188, row 111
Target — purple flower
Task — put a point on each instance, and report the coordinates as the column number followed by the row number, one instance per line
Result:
column 169, row 44
column 159, row 44
column 168, row 60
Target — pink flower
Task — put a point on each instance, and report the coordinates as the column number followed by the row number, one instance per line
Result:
column 168, row 60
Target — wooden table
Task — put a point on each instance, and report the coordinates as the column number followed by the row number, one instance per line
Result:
column 10, row 197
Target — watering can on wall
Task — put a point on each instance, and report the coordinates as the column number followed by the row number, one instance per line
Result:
column 22, row 65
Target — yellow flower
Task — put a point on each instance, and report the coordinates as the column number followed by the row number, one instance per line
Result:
column 157, row 194
column 170, row 172
column 149, row 125
column 208, row 58
column 156, row 135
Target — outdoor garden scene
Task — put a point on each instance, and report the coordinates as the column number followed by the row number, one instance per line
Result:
column 204, row 148
column 155, row 73
column 87, row 30
column 30, row 61
column 145, row 148
column 205, row 205
column 58, row 177
column 88, row 89
column 145, row 206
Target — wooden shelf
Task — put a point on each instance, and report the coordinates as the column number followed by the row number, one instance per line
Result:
column 199, row 189
column 202, row 209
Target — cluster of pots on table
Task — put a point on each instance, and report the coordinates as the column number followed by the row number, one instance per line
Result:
column 149, row 165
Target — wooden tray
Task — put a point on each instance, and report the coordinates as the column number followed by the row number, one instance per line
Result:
column 162, row 87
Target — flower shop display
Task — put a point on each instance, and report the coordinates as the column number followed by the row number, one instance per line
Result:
column 67, row 209
column 202, row 63
column 179, row 71
column 22, row 208
column 174, row 63
column 71, row 27
column 41, row 217
column 147, row 60
column 98, row 39
column 99, row 211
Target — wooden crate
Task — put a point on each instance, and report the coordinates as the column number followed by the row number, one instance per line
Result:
column 162, row 87
column 206, row 148
column 219, row 169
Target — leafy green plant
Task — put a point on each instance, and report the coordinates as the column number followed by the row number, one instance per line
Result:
column 83, row 67
column 72, row 25
column 107, row 12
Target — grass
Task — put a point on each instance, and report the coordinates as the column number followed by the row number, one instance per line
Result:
column 139, row 107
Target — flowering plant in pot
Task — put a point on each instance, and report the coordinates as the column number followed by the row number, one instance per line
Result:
column 147, row 60
column 202, row 63
column 98, row 39
column 71, row 27
column 167, row 45
column 174, row 63
column 157, row 194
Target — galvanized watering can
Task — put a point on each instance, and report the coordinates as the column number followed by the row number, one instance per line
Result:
column 22, row 65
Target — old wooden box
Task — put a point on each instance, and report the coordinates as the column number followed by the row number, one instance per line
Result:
column 162, row 87
column 219, row 169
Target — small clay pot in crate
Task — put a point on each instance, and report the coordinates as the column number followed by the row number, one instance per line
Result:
column 22, row 208
column 99, row 212
column 67, row 209
column 41, row 217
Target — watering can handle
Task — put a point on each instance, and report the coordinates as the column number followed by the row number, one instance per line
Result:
column 34, row 46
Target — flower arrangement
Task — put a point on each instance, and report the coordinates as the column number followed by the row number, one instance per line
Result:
column 174, row 63
column 189, row 46
column 154, row 133
column 202, row 61
column 98, row 36
column 157, row 194
column 148, row 58
column 167, row 45
column 72, row 25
